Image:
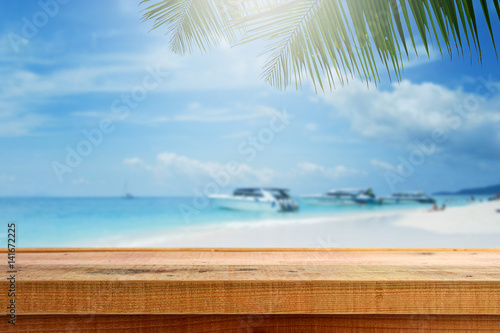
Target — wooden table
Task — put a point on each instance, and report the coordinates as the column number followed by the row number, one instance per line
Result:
column 254, row 290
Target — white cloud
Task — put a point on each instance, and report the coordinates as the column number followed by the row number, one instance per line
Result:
column 207, row 115
column 197, row 112
column 90, row 114
column 80, row 181
column 173, row 166
column 311, row 127
column 334, row 139
column 237, row 135
column 18, row 123
column 329, row 173
column 129, row 6
column 135, row 161
column 25, row 87
column 222, row 68
column 173, row 163
column 177, row 170
column 376, row 113
column 381, row 165
column 410, row 111
column 421, row 58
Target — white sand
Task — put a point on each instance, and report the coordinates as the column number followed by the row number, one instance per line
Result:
column 475, row 225
column 478, row 218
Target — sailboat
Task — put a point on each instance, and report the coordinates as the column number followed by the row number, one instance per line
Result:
column 126, row 194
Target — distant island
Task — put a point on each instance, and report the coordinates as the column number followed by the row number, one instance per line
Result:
column 494, row 189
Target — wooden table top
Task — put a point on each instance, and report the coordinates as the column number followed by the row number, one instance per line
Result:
column 261, row 281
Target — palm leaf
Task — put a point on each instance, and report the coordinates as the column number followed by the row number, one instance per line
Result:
column 324, row 39
column 193, row 22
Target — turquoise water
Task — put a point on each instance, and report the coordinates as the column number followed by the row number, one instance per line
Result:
column 67, row 222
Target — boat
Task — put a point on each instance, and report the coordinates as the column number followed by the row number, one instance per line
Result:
column 495, row 197
column 126, row 194
column 342, row 197
column 257, row 199
column 408, row 197
column 365, row 199
column 338, row 197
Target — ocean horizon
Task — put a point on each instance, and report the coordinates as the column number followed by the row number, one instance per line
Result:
column 107, row 221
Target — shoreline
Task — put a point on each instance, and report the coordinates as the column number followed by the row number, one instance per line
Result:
column 399, row 228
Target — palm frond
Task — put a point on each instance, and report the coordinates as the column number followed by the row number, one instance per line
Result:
column 192, row 22
column 324, row 39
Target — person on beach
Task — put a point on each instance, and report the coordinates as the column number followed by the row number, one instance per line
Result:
column 435, row 207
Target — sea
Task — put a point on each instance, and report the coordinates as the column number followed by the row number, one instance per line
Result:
column 89, row 222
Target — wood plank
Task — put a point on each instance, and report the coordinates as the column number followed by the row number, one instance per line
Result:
column 257, row 323
column 220, row 281
column 233, row 249
column 422, row 257
column 229, row 297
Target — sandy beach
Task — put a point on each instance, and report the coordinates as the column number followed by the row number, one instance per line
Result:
column 476, row 225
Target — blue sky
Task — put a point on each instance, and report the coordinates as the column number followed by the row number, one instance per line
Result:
column 90, row 99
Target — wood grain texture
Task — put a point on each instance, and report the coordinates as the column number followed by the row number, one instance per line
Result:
column 194, row 281
column 244, row 249
column 256, row 324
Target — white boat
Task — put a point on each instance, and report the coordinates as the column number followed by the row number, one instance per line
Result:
column 333, row 198
column 367, row 199
column 343, row 197
column 257, row 199
column 408, row 197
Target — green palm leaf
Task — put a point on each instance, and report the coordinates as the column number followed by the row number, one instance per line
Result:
column 193, row 22
column 323, row 39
